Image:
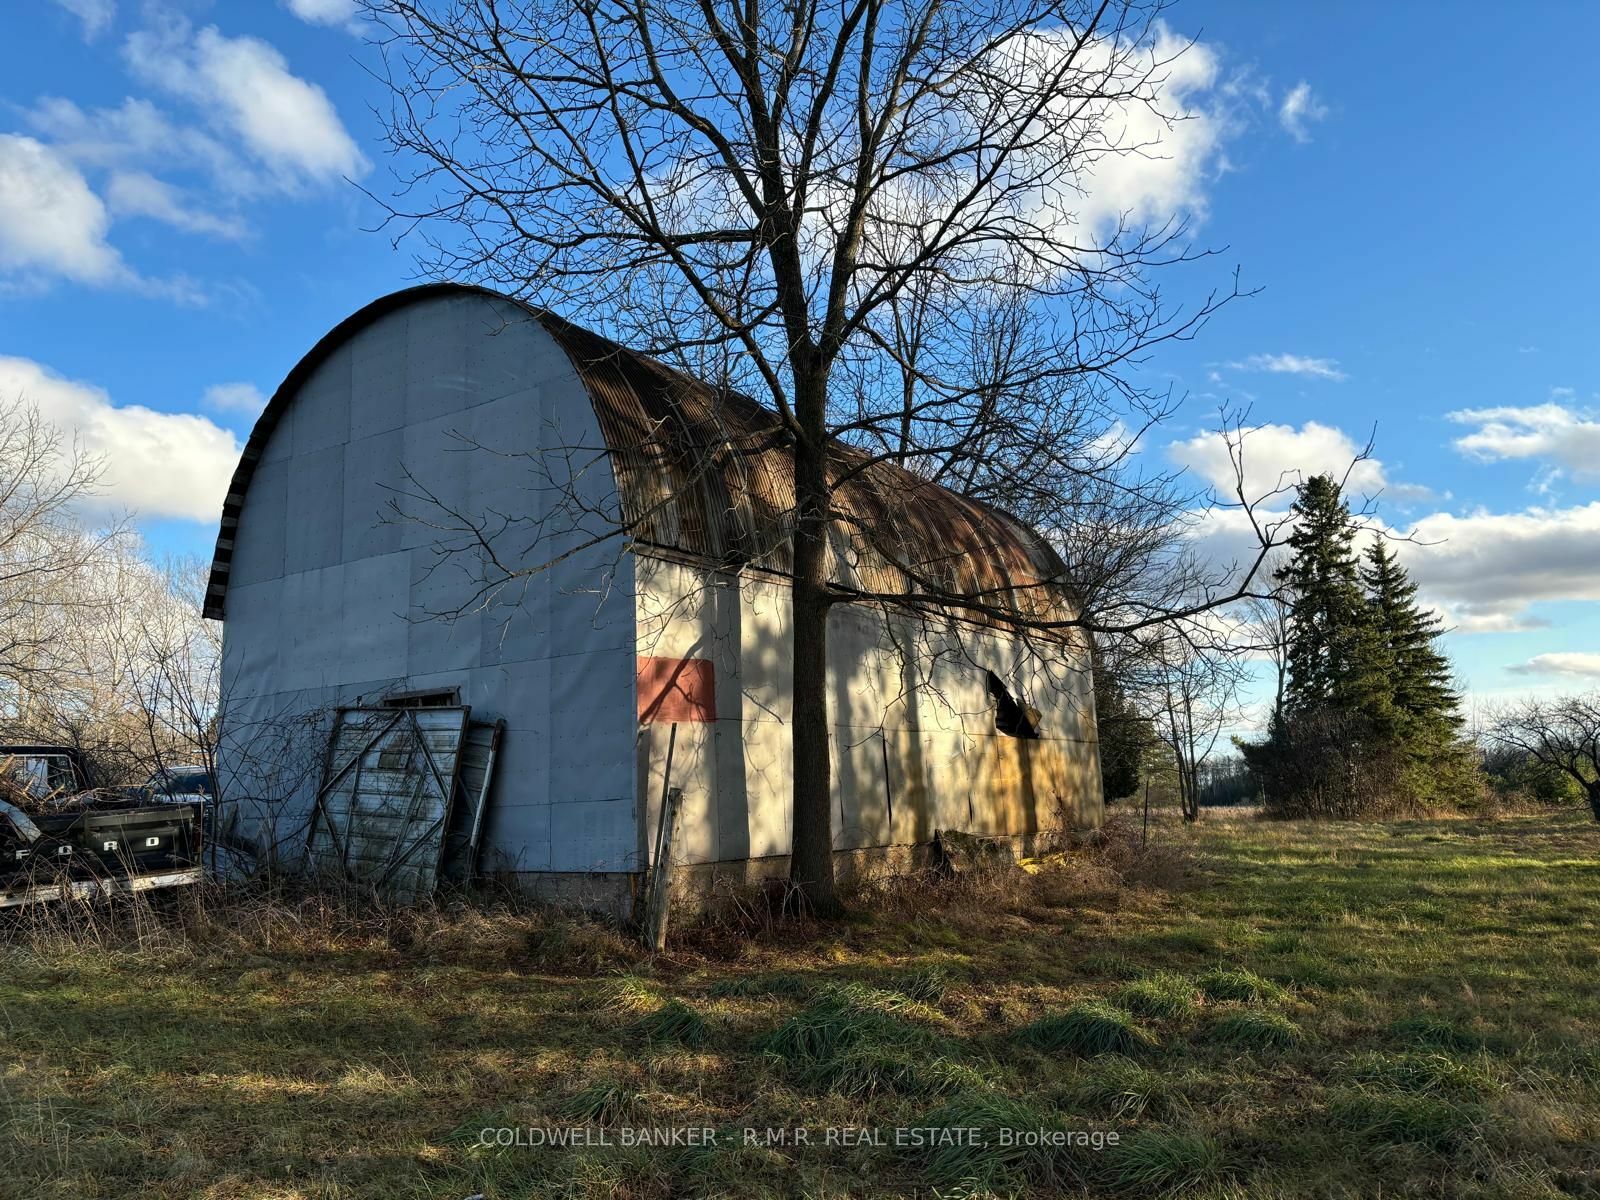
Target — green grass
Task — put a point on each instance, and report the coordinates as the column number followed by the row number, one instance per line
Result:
column 1123, row 1090
column 1405, row 1119
column 1251, row 1030
column 1111, row 966
column 1160, row 1162
column 1164, row 995
column 1437, row 1033
column 991, row 1164
column 603, row 1103
column 1228, row 983
column 1317, row 1011
column 1469, row 1078
column 674, row 1021
column 852, row 1042
column 1087, row 1029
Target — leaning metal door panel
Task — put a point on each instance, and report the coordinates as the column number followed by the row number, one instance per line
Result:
column 384, row 805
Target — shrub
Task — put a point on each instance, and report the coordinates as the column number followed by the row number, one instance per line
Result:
column 1328, row 763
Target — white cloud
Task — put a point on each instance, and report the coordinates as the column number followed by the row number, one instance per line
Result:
column 52, row 225
column 1550, row 432
column 1546, row 482
column 1278, row 456
column 1300, row 108
column 138, row 135
column 258, row 130
column 96, row 15
column 1482, row 571
column 1144, row 158
column 324, row 12
column 245, row 86
column 1173, row 142
column 235, row 398
column 159, row 464
column 1292, row 364
column 1568, row 664
column 51, row 222
column 136, row 194
column 1485, row 569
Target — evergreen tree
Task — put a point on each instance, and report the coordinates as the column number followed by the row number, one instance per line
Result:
column 1126, row 735
column 1424, row 709
column 1371, row 723
column 1334, row 658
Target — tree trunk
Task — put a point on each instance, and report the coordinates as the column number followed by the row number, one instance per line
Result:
column 1189, row 793
column 811, row 862
column 1592, row 792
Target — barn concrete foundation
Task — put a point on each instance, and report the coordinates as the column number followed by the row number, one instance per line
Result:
column 699, row 888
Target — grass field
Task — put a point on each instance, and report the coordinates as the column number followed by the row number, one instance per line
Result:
column 1272, row 1010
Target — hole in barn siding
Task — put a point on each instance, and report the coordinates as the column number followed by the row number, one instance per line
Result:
column 1010, row 718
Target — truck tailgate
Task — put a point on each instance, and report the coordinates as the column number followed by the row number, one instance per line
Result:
column 104, row 851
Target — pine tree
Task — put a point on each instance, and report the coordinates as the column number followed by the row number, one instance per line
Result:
column 1334, row 659
column 1370, row 722
column 1425, row 710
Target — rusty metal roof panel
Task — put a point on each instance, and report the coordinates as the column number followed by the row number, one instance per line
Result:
column 710, row 473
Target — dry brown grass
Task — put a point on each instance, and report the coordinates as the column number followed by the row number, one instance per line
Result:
column 1317, row 1011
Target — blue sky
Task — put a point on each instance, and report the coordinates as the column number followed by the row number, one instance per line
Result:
column 1411, row 188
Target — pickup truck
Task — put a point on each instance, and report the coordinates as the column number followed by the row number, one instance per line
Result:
column 60, row 838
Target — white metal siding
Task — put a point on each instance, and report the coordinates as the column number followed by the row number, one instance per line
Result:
column 912, row 719
column 328, row 603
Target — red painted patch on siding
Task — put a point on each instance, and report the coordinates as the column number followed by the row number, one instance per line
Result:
column 676, row 689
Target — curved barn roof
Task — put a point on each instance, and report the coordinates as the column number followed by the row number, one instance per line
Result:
column 709, row 473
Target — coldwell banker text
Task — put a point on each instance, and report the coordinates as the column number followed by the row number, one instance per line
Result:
column 899, row 1137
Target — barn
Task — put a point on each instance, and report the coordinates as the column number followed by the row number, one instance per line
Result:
column 457, row 501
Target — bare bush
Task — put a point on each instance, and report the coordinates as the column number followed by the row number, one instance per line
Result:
column 1324, row 763
column 1561, row 736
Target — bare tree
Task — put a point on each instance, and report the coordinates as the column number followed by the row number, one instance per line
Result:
column 48, row 558
column 866, row 213
column 1267, row 624
column 1562, row 734
column 1194, row 688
